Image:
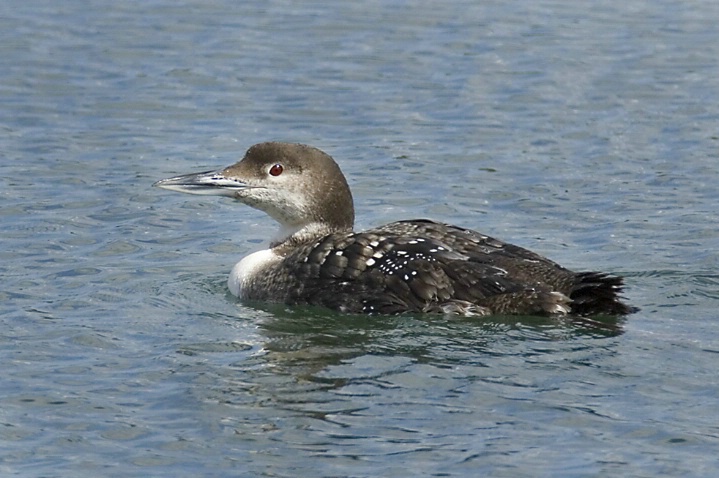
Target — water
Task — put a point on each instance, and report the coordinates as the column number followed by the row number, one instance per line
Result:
column 585, row 132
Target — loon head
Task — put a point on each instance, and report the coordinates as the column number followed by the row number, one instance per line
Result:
column 299, row 186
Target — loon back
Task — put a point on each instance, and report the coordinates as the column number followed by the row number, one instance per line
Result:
column 429, row 267
column 407, row 266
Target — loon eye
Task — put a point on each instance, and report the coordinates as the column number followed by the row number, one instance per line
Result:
column 276, row 169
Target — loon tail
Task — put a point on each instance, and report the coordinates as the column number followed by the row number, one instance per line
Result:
column 598, row 293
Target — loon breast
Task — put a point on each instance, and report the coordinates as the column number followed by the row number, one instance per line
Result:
column 244, row 272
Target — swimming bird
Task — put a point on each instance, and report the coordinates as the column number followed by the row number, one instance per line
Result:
column 415, row 266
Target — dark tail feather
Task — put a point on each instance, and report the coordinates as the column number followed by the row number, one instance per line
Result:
column 598, row 293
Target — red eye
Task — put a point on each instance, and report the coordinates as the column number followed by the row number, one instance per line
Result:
column 276, row 170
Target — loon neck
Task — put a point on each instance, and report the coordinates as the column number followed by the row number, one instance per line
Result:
column 292, row 236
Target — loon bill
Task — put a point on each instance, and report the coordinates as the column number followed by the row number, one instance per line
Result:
column 406, row 266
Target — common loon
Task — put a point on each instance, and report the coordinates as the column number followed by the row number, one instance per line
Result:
column 406, row 266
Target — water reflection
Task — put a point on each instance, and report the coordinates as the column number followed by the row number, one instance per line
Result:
column 321, row 377
column 313, row 339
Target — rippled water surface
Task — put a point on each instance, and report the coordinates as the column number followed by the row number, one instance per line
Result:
column 585, row 131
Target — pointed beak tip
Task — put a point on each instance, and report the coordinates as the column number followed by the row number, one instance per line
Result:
column 167, row 183
column 212, row 183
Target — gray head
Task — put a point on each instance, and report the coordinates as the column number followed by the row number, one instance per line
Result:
column 299, row 186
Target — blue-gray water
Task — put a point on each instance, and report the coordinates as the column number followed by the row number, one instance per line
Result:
column 587, row 131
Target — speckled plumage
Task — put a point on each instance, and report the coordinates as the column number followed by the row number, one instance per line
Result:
column 407, row 266
column 429, row 267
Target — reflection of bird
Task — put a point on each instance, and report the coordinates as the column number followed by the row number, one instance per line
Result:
column 405, row 266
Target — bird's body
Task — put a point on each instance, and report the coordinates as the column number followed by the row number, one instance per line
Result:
column 407, row 266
